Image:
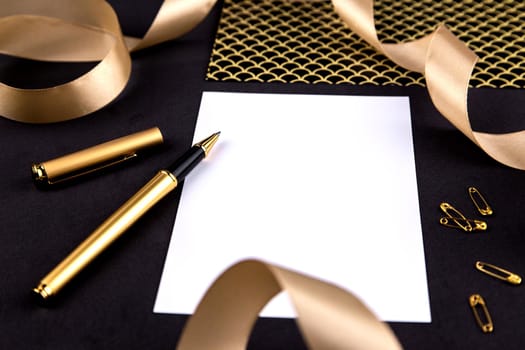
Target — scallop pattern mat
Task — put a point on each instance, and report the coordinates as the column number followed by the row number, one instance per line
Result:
column 305, row 41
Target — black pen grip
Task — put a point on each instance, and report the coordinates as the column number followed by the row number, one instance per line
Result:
column 183, row 165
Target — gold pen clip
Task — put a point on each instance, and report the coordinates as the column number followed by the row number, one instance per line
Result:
column 95, row 158
column 456, row 219
column 39, row 172
column 479, row 201
column 498, row 272
column 485, row 322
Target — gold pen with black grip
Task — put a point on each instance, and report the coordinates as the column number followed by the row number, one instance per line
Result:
column 114, row 226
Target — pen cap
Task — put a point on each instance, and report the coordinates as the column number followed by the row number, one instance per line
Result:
column 94, row 158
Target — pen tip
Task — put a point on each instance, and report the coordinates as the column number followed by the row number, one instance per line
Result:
column 208, row 143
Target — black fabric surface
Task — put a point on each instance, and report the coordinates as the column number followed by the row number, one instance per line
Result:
column 109, row 306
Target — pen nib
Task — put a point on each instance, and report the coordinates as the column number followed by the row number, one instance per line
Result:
column 208, row 143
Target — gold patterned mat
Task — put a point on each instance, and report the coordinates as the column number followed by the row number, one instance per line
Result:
column 305, row 41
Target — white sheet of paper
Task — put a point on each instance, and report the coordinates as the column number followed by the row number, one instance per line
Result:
column 324, row 185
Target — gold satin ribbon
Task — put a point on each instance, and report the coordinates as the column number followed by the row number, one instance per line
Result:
column 447, row 64
column 80, row 31
column 328, row 317
column 88, row 30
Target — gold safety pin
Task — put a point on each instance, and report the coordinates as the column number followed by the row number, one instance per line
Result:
column 456, row 216
column 478, row 225
column 498, row 272
column 479, row 201
column 476, row 302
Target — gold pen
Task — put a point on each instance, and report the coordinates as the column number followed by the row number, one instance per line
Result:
column 114, row 226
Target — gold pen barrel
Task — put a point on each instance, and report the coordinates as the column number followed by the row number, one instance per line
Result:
column 111, row 229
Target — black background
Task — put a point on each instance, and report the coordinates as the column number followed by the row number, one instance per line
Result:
column 110, row 304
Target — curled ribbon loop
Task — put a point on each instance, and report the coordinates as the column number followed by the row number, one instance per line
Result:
column 175, row 18
column 328, row 317
column 80, row 31
column 447, row 64
column 89, row 31
column 64, row 31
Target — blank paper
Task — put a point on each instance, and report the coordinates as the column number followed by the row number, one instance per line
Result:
column 325, row 185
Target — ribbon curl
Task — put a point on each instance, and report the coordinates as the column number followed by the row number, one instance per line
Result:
column 88, row 30
column 80, row 31
column 447, row 65
column 328, row 317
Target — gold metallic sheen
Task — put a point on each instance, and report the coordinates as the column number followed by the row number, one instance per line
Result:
column 43, row 291
column 259, row 41
column 498, row 272
column 95, row 158
column 89, row 31
column 476, row 301
column 464, row 224
column 39, row 172
column 479, row 201
column 111, row 229
column 208, row 143
column 456, row 217
column 328, row 317
column 446, row 62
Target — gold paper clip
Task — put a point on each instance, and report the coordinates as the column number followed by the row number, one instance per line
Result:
column 498, row 273
column 479, row 202
column 476, row 302
column 467, row 225
column 457, row 220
